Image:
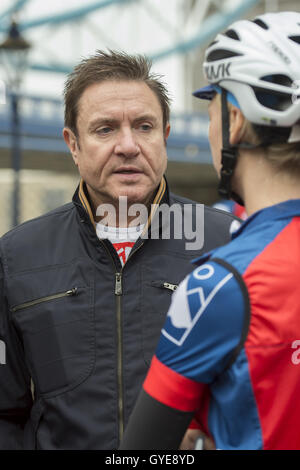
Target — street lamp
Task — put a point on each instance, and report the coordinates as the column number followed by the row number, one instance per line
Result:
column 13, row 55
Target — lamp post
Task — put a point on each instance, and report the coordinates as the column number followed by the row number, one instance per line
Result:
column 13, row 55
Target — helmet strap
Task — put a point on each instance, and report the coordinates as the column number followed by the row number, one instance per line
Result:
column 229, row 155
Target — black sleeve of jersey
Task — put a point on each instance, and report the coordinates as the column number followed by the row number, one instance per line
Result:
column 154, row 426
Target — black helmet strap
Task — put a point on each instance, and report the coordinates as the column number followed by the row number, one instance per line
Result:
column 229, row 155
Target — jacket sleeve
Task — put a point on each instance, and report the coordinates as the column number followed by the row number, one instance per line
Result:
column 15, row 392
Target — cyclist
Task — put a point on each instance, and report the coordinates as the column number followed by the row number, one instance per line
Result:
column 232, row 207
column 229, row 352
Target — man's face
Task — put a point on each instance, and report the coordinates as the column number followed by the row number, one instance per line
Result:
column 120, row 149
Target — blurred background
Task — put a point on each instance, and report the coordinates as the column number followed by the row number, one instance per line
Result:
column 40, row 42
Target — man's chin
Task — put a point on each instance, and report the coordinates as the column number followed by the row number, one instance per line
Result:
column 135, row 194
column 134, row 197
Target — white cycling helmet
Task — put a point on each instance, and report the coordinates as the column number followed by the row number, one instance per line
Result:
column 258, row 62
column 256, row 65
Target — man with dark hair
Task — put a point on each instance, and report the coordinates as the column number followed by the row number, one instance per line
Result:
column 85, row 288
column 112, row 66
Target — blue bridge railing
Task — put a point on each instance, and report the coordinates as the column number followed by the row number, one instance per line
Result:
column 41, row 123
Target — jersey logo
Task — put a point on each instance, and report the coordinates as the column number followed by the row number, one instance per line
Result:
column 188, row 308
column 123, row 249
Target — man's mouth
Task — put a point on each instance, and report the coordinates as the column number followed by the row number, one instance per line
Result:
column 128, row 171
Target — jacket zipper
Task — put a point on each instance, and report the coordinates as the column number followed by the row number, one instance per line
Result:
column 168, row 285
column 118, row 293
column 67, row 293
column 164, row 285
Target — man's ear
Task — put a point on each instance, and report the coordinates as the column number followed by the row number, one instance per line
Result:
column 237, row 120
column 167, row 133
column 71, row 141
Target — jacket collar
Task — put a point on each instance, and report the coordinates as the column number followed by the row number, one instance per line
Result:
column 286, row 209
column 82, row 202
column 283, row 210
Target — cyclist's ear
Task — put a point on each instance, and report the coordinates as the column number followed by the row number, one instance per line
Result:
column 236, row 127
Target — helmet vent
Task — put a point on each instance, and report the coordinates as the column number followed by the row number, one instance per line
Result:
column 232, row 34
column 273, row 100
column 279, row 79
column 221, row 54
column 261, row 23
column 295, row 38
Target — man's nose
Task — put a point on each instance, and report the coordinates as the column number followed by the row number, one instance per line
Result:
column 127, row 145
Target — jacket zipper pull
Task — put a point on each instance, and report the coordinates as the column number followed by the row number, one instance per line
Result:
column 167, row 285
column 118, row 284
column 72, row 291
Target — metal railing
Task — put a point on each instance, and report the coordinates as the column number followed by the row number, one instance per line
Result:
column 41, row 122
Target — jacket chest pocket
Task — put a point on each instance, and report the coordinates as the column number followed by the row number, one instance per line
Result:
column 57, row 333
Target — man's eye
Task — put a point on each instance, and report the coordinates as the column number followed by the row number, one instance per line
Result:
column 145, row 127
column 104, row 130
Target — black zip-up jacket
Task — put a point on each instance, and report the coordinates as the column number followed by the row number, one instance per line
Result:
column 79, row 328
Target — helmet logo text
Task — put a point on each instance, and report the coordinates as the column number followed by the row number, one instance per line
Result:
column 278, row 51
column 214, row 72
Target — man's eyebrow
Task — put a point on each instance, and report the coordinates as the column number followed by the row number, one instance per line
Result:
column 112, row 121
column 146, row 117
column 102, row 120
